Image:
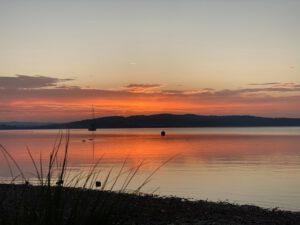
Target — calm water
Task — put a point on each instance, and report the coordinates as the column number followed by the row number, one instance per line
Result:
column 241, row 165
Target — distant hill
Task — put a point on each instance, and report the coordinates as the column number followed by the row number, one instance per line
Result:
column 166, row 120
column 171, row 120
column 21, row 125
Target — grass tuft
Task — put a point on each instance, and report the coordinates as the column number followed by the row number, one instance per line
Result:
column 50, row 202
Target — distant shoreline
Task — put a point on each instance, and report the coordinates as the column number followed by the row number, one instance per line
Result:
column 107, row 128
column 160, row 121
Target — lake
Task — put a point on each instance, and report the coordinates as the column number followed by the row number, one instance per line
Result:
column 258, row 166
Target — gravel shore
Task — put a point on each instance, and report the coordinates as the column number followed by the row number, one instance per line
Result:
column 20, row 204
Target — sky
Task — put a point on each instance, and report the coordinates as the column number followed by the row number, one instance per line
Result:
column 127, row 57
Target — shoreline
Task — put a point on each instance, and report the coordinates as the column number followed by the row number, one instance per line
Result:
column 104, row 207
column 149, row 127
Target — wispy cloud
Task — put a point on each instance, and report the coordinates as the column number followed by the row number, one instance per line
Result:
column 28, row 81
column 264, row 84
column 277, row 84
column 51, row 101
column 139, row 88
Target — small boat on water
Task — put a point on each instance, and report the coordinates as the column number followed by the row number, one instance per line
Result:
column 92, row 128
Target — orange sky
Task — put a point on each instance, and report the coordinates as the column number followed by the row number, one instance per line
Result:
column 142, row 57
column 45, row 99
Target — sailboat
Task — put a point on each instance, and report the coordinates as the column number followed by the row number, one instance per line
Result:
column 93, row 126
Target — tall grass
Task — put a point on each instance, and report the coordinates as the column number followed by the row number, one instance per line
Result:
column 63, row 198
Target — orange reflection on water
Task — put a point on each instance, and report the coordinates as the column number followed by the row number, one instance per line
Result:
column 114, row 147
column 261, row 166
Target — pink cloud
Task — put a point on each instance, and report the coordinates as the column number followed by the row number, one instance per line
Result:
column 65, row 103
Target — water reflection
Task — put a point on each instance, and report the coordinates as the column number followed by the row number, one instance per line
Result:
column 243, row 165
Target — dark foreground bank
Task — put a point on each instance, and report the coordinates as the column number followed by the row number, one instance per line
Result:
column 28, row 205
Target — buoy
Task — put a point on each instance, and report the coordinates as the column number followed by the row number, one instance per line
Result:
column 162, row 133
column 98, row 183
